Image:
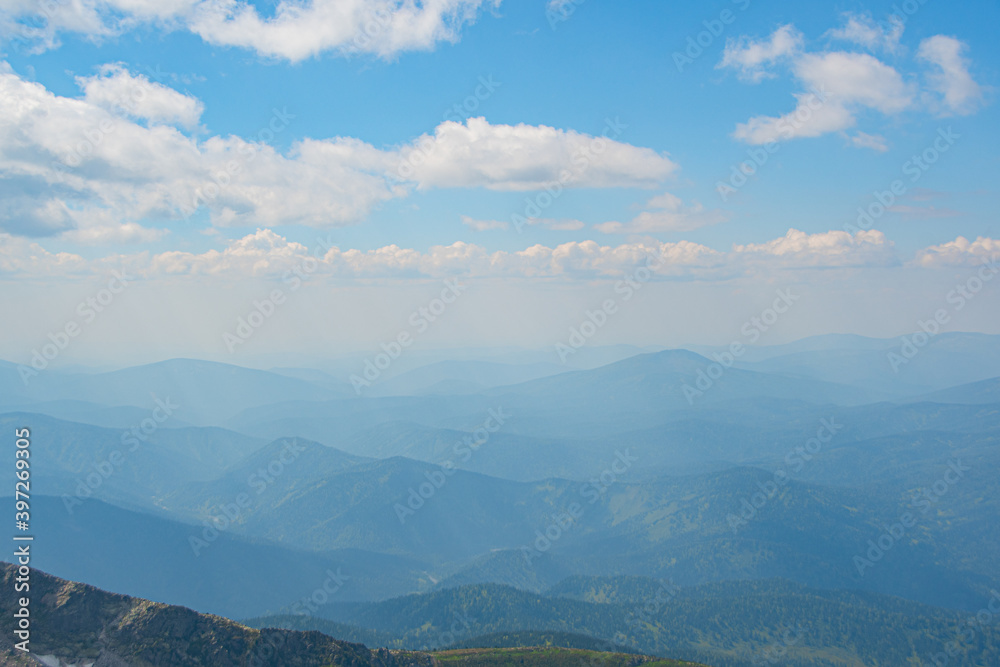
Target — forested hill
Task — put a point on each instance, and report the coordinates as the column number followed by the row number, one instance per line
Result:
column 77, row 624
column 725, row 624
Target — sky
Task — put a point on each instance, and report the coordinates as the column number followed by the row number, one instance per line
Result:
column 332, row 164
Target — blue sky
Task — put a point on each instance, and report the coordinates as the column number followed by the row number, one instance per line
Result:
column 357, row 101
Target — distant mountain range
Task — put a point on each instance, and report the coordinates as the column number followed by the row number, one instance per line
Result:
column 806, row 467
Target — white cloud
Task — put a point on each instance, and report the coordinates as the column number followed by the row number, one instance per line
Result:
column 822, row 250
column 18, row 256
column 36, row 27
column 295, row 31
column 815, row 114
column 69, row 163
column 85, row 163
column 555, row 224
column 128, row 232
column 575, row 259
column 855, row 78
column 960, row 252
column 558, row 5
column 298, row 31
column 120, row 92
column 666, row 213
column 751, row 58
column 28, row 208
column 484, row 225
column 266, row 254
column 875, row 142
column 528, row 157
column 839, row 85
column 263, row 253
column 862, row 30
column 960, row 94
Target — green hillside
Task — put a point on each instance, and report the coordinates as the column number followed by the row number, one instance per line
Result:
column 547, row 656
column 74, row 623
column 727, row 624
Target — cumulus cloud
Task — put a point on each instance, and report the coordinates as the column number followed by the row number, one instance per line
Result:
column 266, row 254
column 751, row 58
column 69, row 163
column 960, row 252
column 875, row 142
column 862, row 30
column 295, row 30
column 822, row 250
column 263, row 253
column 950, row 77
column 666, row 213
column 120, row 92
column 855, row 78
column 575, row 259
column 18, row 256
column 93, row 164
column 529, row 157
column 124, row 233
column 28, row 208
column 839, row 85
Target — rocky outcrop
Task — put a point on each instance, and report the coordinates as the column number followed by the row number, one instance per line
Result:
column 76, row 624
